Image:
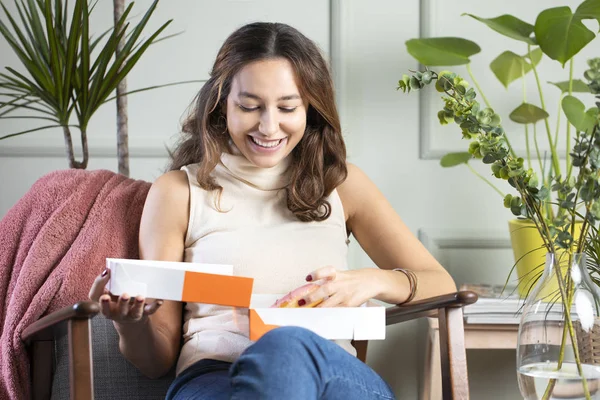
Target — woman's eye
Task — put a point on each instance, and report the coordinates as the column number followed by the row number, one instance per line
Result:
column 288, row 109
column 248, row 109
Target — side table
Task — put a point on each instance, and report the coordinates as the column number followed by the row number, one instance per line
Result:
column 477, row 336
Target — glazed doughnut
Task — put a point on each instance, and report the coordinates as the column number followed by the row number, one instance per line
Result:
column 290, row 300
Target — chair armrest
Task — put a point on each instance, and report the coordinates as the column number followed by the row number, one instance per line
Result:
column 428, row 307
column 54, row 325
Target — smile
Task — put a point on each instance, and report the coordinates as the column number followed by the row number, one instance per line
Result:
column 267, row 144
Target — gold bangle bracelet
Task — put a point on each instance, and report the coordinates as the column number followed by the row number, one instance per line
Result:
column 413, row 282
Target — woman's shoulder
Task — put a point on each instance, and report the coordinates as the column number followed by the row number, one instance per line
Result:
column 356, row 190
column 166, row 207
column 355, row 180
column 172, row 179
column 171, row 187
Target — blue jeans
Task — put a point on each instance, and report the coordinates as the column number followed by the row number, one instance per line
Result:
column 286, row 363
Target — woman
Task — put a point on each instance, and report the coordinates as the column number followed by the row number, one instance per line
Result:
column 260, row 181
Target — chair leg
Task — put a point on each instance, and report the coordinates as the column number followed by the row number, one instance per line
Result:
column 455, row 382
column 80, row 360
column 361, row 349
column 431, row 385
column 42, row 353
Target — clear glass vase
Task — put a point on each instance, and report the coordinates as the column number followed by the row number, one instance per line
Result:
column 558, row 350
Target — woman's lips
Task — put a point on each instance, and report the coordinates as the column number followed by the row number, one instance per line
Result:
column 266, row 146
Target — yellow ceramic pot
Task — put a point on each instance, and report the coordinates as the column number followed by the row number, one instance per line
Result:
column 530, row 253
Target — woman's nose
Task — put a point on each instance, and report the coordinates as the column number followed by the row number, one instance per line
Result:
column 269, row 123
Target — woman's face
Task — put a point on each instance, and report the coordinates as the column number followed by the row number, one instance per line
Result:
column 266, row 116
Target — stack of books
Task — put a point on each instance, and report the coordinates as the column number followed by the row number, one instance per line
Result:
column 494, row 306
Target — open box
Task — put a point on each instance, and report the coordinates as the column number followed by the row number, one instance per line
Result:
column 179, row 281
column 359, row 323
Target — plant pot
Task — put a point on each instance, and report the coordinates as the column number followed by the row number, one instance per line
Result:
column 530, row 253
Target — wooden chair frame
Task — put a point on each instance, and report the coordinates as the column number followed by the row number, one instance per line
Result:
column 75, row 322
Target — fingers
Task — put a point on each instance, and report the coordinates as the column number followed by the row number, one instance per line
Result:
column 126, row 309
column 153, row 307
column 99, row 285
column 137, row 309
column 333, row 301
column 327, row 272
column 325, row 291
column 123, row 305
column 105, row 305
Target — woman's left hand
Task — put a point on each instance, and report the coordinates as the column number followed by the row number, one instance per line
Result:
column 343, row 288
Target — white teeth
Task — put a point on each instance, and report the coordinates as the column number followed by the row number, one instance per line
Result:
column 266, row 144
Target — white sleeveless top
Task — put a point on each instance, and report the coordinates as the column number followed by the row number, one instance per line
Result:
column 257, row 234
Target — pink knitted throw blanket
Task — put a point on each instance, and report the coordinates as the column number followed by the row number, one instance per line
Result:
column 53, row 243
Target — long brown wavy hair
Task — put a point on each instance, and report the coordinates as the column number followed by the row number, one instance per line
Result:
column 318, row 161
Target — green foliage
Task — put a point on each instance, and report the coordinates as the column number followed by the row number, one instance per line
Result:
column 556, row 200
column 528, row 114
column 577, row 86
column 509, row 66
column 65, row 69
column 561, row 34
column 442, row 51
column 454, row 159
column 482, row 127
column 509, row 26
column 577, row 115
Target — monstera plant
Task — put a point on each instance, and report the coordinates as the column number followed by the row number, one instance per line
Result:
column 560, row 323
column 557, row 36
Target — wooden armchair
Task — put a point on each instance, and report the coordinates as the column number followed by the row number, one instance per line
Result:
column 75, row 322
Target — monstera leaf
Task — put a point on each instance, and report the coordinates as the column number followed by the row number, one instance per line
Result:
column 442, row 51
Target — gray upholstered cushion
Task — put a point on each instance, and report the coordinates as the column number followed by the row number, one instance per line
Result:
column 114, row 377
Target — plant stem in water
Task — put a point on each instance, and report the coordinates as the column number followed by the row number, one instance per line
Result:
column 565, row 296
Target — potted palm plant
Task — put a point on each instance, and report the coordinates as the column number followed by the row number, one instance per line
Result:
column 559, row 329
column 68, row 73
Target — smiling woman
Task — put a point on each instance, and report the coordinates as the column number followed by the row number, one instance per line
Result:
column 266, row 116
column 281, row 85
column 260, row 181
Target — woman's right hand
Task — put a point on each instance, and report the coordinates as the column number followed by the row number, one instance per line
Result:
column 121, row 309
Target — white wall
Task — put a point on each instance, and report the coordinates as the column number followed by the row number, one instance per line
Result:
column 394, row 137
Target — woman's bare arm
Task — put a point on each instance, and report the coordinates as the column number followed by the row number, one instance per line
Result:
column 152, row 344
column 389, row 242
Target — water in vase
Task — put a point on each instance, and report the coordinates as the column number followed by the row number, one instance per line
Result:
column 534, row 380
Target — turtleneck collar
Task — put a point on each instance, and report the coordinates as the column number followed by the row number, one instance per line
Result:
column 274, row 178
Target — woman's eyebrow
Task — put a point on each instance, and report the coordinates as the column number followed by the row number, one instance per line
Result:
column 255, row 97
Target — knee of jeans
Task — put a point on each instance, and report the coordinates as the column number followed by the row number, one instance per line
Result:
column 285, row 341
column 280, row 346
column 288, row 335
